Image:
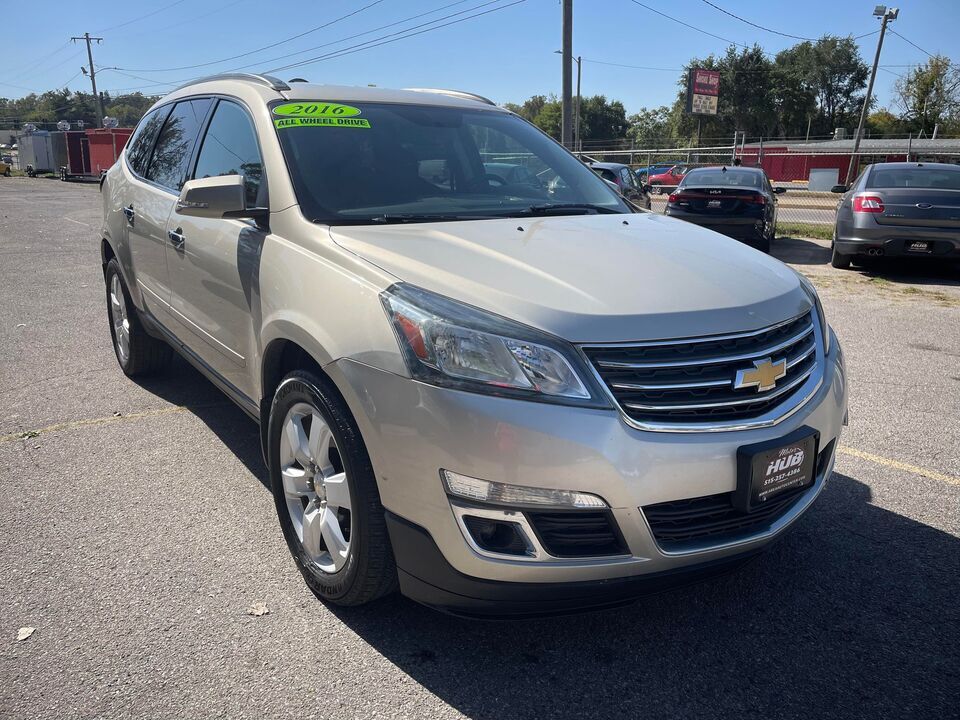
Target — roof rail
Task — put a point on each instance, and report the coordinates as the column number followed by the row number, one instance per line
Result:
column 454, row 93
column 269, row 80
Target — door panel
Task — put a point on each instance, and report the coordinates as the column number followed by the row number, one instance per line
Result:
column 214, row 274
column 146, row 214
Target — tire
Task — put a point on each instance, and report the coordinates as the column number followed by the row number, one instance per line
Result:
column 7, row 173
column 355, row 565
column 137, row 352
column 841, row 262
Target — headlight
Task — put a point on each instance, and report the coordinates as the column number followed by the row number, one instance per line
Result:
column 447, row 343
column 815, row 299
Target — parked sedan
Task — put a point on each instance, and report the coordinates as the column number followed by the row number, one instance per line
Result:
column 738, row 201
column 627, row 184
column 899, row 209
column 643, row 173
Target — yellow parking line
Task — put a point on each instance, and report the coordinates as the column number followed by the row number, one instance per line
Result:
column 916, row 470
column 91, row 421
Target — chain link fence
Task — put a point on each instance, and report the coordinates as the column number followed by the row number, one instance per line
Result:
column 807, row 171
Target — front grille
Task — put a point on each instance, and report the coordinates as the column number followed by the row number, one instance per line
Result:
column 713, row 519
column 692, row 380
column 577, row 533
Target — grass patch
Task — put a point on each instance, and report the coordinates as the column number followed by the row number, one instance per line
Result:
column 809, row 230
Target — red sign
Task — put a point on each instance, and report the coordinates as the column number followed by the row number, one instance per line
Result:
column 706, row 82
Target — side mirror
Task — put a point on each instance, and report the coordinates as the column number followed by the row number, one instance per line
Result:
column 779, row 190
column 839, row 189
column 214, row 197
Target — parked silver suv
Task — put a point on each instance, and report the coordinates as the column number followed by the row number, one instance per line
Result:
column 508, row 398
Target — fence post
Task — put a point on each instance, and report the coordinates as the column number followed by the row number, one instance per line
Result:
column 760, row 152
column 909, row 145
column 733, row 155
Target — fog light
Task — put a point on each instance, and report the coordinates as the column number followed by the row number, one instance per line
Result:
column 502, row 494
column 496, row 536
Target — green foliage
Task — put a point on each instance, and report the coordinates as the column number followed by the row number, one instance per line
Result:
column 55, row 105
column 651, row 127
column 883, row 122
column 929, row 95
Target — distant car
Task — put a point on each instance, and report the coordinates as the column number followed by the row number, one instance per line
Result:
column 643, row 173
column 736, row 201
column 670, row 178
column 4, row 168
column 899, row 209
column 510, row 174
column 620, row 175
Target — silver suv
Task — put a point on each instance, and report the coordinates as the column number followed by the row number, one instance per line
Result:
column 506, row 398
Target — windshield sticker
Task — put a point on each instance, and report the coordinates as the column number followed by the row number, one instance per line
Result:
column 318, row 114
column 322, row 122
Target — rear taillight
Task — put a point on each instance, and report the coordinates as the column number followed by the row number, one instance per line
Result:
column 673, row 197
column 757, row 199
column 867, row 204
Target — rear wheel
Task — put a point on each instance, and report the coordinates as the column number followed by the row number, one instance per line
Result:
column 326, row 494
column 841, row 262
column 137, row 352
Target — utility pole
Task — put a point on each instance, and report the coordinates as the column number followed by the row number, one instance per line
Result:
column 576, row 124
column 566, row 114
column 93, row 74
column 885, row 15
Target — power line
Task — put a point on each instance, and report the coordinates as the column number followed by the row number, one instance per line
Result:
column 753, row 24
column 373, row 43
column 189, row 19
column 686, row 24
column 376, row 29
column 142, row 17
column 260, row 49
column 911, row 42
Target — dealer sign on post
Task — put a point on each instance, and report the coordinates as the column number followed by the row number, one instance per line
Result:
column 703, row 87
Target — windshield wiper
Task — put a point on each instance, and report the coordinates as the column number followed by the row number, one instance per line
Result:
column 551, row 207
column 390, row 218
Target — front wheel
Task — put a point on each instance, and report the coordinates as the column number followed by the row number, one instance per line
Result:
column 326, row 494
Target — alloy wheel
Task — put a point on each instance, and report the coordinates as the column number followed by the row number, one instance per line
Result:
column 315, row 487
column 120, row 319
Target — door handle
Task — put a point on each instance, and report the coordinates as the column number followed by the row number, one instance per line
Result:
column 128, row 212
column 176, row 238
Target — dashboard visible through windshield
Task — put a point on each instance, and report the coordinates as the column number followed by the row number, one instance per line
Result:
column 364, row 163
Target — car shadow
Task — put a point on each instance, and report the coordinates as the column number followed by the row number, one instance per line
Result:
column 184, row 386
column 852, row 614
column 799, row 251
column 910, row 271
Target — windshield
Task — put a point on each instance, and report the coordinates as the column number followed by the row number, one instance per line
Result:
column 380, row 162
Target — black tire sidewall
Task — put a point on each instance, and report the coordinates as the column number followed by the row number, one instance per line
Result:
column 113, row 268
column 303, row 387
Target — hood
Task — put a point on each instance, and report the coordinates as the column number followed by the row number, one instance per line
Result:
column 590, row 278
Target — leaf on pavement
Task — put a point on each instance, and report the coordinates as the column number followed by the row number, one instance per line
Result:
column 24, row 632
column 258, row 609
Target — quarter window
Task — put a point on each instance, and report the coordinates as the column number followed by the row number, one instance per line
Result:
column 138, row 150
column 170, row 159
column 230, row 148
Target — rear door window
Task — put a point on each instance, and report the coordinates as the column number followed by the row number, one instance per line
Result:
column 171, row 156
column 230, row 148
column 138, row 150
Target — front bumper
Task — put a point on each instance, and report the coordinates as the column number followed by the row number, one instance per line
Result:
column 412, row 430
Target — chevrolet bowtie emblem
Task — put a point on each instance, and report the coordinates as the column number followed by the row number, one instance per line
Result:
column 763, row 375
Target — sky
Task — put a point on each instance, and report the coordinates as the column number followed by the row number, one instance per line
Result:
column 503, row 49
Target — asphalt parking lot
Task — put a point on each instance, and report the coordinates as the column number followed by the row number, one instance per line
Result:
column 137, row 531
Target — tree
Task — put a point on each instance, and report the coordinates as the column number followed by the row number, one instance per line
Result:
column 929, row 94
column 830, row 71
column 651, row 127
column 602, row 120
column 884, row 123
